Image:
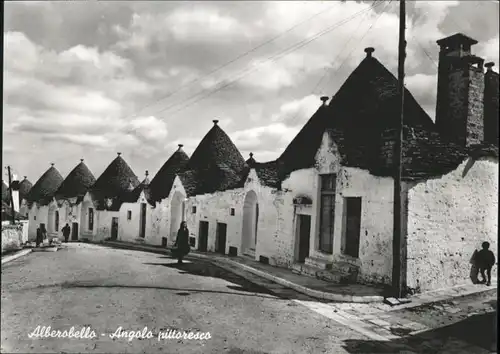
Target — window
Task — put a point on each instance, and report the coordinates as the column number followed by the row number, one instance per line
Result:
column 232, row 211
column 193, row 209
column 56, row 221
column 91, row 219
column 129, row 215
column 327, row 212
column 34, row 217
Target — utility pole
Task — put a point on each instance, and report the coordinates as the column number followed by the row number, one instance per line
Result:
column 398, row 243
column 13, row 220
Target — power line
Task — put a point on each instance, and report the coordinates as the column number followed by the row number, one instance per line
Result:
column 352, row 50
column 326, row 70
column 270, row 59
column 235, row 59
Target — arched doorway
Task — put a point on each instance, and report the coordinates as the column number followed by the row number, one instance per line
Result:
column 176, row 208
column 250, row 222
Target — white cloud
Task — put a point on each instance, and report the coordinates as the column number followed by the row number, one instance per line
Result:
column 151, row 129
column 202, row 24
column 272, row 136
column 490, row 50
column 297, row 111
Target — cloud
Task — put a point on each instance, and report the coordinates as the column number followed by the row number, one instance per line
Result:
column 424, row 89
column 490, row 50
column 149, row 129
column 297, row 111
column 273, row 137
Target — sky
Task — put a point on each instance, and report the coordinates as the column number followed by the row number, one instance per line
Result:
column 85, row 80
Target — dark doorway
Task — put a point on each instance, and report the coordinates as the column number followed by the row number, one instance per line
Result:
column 220, row 243
column 304, row 237
column 353, row 226
column 74, row 231
column 203, row 236
column 114, row 228
column 142, row 228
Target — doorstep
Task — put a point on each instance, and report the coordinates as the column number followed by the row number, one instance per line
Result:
column 312, row 287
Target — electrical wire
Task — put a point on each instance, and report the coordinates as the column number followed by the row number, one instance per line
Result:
column 275, row 57
column 281, row 34
column 350, row 53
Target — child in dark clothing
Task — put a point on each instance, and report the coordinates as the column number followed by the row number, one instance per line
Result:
column 485, row 260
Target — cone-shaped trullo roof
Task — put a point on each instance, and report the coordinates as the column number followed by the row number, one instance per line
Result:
column 162, row 183
column 77, row 183
column 215, row 165
column 24, row 188
column 133, row 196
column 44, row 189
column 115, row 183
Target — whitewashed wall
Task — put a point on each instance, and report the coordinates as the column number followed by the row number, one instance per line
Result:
column 158, row 222
column 37, row 215
column 448, row 218
column 129, row 230
column 23, row 208
column 102, row 224
column 70, row 213
column 84, row 232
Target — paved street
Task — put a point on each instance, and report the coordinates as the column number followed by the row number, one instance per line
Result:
column 87, row 285
column 104, row 288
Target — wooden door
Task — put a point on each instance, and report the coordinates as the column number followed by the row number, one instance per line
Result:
column 74, row 231
column 142, row 229
column 203, row 236
column 353, row 226
column 304, row 237
column 114, row 228
column 221, row 238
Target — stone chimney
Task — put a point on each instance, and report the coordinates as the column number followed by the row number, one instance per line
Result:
column 491, row 105
column 460, row 91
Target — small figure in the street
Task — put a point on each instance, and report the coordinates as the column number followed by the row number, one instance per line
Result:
column 66, row 231
column 43, row 230
column 182, row 243
column 485, row 260
column 39, row 236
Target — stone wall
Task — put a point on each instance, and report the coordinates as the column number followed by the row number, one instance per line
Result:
column 491, row 99
column 475, row 109
column 12, row 236
column 448, row 218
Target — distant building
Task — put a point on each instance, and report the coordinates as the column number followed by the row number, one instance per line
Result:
column 102, row 203
column 38, row 200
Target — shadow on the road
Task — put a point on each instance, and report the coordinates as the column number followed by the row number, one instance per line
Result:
column 180, row 291
column 478, row 330
column 205, row 269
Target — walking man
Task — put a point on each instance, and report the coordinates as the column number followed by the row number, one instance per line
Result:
column 485, row 261
column 39, row 236
column 66, row 231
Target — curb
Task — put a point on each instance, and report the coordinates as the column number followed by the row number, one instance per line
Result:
column 307, row 291
column 21, row 253
column 299, row 288
column 428, row 298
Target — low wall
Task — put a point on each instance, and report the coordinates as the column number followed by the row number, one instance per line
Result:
column 12, row 236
